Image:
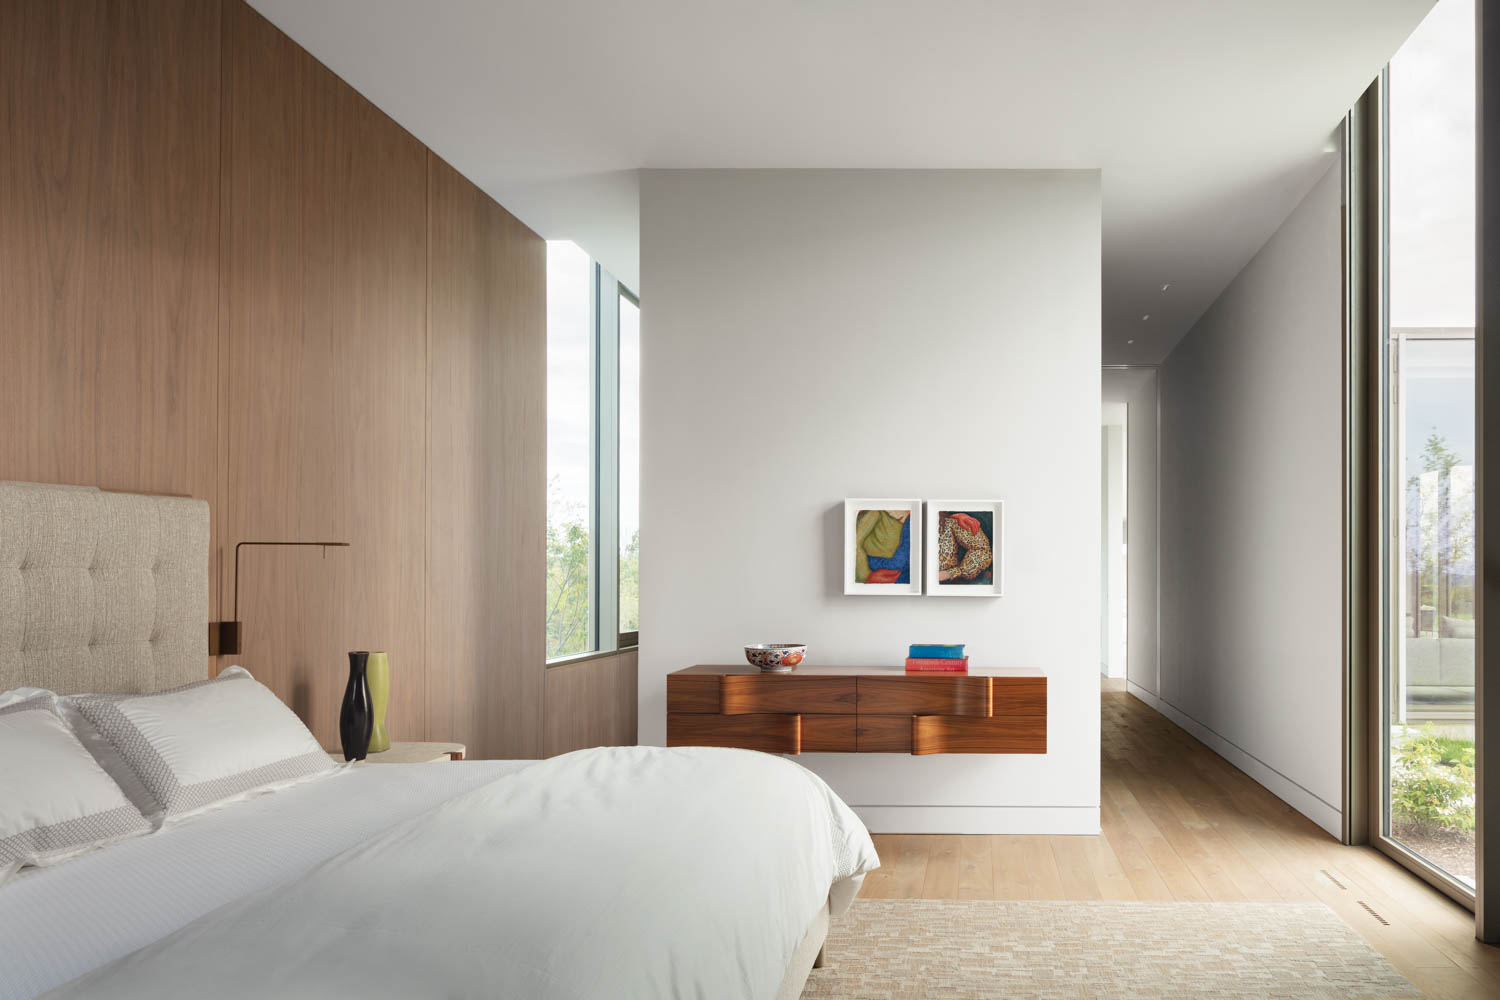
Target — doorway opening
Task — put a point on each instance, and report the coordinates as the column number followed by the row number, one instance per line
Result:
column 1128, row 553
column 1114, row 542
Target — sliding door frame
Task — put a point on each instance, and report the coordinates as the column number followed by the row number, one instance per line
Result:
column 1371, row 498
column 1363, row 322
column 1487, row 457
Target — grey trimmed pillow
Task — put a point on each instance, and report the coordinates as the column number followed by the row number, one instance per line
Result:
column 55, row 799
column 206, row 742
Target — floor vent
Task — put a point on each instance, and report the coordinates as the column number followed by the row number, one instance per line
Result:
column 1329, row 876
column 1368, row 909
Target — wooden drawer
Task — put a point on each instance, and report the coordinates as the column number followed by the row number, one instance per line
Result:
column 883, row 733
column 958, row 694
column 693, row 693
column 1019, row 696
column 1002, row 734
column 771, row 733
column 827, row 733
column 749, row 694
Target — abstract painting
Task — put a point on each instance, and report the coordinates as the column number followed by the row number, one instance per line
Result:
column 883, row 546
column 964, row 547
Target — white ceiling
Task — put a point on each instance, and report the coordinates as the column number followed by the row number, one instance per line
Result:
column 1209, row 118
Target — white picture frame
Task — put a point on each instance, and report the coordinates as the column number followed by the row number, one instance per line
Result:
column 852, row 548
column 983, row 513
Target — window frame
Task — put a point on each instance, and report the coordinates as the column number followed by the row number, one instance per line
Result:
column 631, row 639
column 605, row 292
column 1370, row 545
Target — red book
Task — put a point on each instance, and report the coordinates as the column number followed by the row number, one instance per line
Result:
column 916, row 665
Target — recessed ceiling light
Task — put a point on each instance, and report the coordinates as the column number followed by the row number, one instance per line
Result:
column 1166, row 286
column 1129, row 341
column 1145, row 317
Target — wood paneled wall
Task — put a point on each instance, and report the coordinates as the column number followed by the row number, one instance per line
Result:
column 488, row 411
column 227, row 274
column 591, row 703
column 109, row 228
column 324, row 374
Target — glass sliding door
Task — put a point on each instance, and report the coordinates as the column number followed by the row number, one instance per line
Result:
column 1428, row 665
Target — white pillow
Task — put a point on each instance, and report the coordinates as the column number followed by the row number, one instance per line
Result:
column 55, row 799
column 207, row 742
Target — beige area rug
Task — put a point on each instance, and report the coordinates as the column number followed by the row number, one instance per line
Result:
column 969, row 949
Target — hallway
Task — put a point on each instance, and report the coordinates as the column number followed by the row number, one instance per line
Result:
column 1181, row 823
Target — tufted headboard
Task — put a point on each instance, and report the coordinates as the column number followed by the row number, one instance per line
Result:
column 104, row 592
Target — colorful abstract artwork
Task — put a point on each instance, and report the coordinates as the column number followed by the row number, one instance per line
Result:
column 965, row 552
column 883, row 546
column 963, row 547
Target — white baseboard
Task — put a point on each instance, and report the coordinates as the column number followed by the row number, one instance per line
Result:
column 1305, row 802
column 1083, row 820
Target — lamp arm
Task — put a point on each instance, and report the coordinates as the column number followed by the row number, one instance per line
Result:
column 240, row 545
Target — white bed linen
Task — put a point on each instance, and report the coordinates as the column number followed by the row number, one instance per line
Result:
column 58, row 923
column 626, row 872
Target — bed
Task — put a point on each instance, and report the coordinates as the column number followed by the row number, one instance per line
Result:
column 619, row 872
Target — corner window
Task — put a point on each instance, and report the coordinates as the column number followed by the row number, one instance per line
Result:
column 593, row 456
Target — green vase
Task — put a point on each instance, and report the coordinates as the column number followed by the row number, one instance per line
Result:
column 378, row 674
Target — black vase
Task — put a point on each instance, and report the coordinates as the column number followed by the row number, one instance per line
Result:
column 356, row 719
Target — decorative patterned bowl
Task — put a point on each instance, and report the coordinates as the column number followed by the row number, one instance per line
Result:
column 778, row 657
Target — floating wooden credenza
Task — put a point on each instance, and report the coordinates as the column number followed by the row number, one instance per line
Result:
column 858, row 710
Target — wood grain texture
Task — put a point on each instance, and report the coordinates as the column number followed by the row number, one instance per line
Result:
column 1180, row 822
column 692, row 693
column 591, row 703
column 215, row 264
column 890, row 711
column 769, row 733
column 1019, row 696
column 486, row 513
column 742, row 694
column 919, row 694
column 109, row 270
column 883, row 733
column 325, row 381
column 827, row 734
column 955, row 734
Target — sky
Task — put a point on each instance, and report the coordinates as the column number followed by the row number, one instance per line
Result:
column 569, row 413
column 1432, row 171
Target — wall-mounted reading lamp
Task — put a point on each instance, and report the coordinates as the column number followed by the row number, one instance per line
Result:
column 224, row 637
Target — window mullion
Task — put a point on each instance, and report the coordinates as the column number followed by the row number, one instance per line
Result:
column 606, row 578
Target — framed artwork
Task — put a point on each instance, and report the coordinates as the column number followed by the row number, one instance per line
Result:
column 883, row 547
column 965, row 539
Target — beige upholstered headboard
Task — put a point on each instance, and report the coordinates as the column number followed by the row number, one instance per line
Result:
column 101, row 591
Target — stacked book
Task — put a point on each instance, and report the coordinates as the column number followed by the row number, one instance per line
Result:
column 945, row 658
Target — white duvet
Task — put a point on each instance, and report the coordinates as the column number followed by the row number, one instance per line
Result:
column 620, row 872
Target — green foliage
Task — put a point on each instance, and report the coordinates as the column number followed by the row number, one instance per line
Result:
column 1432, row 782
column 567, row 579
column 630, row 585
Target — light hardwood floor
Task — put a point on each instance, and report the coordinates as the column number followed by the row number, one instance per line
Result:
column 1180, row 822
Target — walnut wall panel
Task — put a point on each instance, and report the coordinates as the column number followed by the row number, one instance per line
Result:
column 591, row 704
column 487, row 447
column 109, row 271
column 226, row 274
column 325, row 376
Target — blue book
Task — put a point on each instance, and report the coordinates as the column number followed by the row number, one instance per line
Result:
column 937, row 651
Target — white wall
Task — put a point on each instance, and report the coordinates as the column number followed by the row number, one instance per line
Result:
column 1251, row 517
column 815, row 335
